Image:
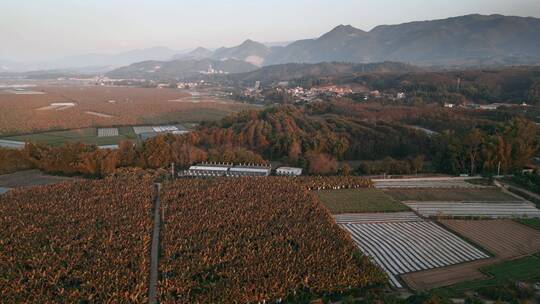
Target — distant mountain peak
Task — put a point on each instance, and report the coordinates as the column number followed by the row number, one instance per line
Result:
column 343, row 31
column 250, row 42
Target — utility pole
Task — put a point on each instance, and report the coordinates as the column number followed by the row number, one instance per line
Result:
column 499, row 169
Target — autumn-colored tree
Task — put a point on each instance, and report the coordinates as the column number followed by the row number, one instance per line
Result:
column 321, row 164
column 345, row 170
column 13, row 160
column 295, row 150
column 127, row 154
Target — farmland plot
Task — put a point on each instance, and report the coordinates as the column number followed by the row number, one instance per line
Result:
column 505, row 239
column 448, row 183
column 242, row 240
column 492, row 194
column 404, row 247
column 366, row 218
column 76, row 242
column 512, row 209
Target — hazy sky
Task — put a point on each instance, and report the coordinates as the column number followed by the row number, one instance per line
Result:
column 45, row 29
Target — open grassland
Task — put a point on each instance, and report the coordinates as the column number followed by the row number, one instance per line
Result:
column 76, row 242
column 359, row 201
column 104, row 106
column 533, row 223
column 504, row 273
column 457, row 195
column 253, row 240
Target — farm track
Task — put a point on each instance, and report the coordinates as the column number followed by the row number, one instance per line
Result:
column 154, row 251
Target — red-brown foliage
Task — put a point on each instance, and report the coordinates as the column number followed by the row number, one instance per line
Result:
column 253, row 239
column 76, row 242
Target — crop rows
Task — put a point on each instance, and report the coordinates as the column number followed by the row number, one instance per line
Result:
column 107, row 132
column 404, row 247
column 427, row 183
column 366, row 218
column 76, row 242
column 250, row 240
column 476, row 209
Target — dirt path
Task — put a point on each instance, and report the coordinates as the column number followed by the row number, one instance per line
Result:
column 154, row 251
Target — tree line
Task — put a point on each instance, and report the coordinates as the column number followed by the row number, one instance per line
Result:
column 312, row 138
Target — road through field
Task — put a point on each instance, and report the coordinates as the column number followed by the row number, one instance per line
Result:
column 154, row 251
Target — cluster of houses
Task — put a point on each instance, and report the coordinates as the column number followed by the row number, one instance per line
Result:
column 240, row 170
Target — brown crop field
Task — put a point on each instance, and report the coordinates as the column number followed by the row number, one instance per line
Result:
column 86, row 106
column 504, row 238
column 76, row 242
column 251, row 240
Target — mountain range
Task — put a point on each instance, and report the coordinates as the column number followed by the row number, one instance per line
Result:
column 471, row 40
column 465, row 41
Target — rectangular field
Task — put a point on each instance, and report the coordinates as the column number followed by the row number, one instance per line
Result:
column 370, row 218
column 484, row 209
column 504, row 238
column 415, row 183
column 358, row 201
column 490, row 194
column 404, row 247
column 250, row 240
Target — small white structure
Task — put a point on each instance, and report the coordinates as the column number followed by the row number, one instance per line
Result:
column 12, row 144
column 210, row 167
column 108, row 147
column 107, row 132
column 289, row 171
column 250, row 170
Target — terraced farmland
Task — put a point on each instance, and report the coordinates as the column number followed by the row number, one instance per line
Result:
column 512, row 209
column 404, row 247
